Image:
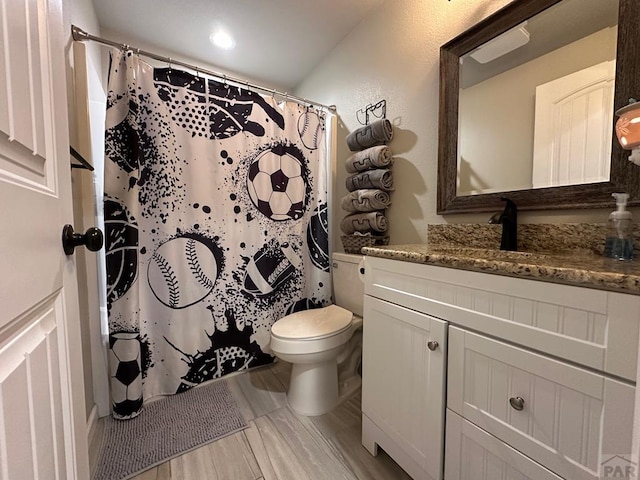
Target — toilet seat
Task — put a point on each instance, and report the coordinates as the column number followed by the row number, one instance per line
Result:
column 312, row 331
column 315, row 324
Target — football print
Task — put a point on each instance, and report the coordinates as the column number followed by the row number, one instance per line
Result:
column 277, row 183
column 126, row 373
column 270, row 267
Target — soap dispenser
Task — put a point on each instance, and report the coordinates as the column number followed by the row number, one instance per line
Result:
column 619, row 241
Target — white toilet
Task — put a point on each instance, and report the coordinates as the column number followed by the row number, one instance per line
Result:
column 324, row 345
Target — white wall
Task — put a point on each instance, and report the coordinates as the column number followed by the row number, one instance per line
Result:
column 394, row 54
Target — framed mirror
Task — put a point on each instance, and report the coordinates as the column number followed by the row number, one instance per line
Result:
column 460, row 188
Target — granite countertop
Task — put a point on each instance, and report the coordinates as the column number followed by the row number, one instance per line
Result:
column 542, row 258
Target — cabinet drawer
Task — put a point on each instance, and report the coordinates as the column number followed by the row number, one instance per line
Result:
column 571, row 420
column 594, row 328
column 473, row 454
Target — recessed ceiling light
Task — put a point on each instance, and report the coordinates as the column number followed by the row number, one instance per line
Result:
column 222, row 39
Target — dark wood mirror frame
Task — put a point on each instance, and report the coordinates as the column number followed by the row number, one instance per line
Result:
column 625, row 176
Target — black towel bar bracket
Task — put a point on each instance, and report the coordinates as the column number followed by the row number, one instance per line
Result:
column 378, row 110
column 83, row 163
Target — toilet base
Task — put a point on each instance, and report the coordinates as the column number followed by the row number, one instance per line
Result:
column 321, row 381
column 313, row 388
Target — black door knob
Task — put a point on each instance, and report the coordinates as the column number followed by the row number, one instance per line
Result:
column 92, row 239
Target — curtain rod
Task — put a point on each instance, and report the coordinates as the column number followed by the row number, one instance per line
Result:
column 80, row 35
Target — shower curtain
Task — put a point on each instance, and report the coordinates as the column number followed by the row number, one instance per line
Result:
column 215, row 224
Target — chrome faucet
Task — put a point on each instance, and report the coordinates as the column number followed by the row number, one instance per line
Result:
column 509, row 220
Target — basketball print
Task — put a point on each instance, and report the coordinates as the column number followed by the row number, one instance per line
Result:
column 277, row 183
column 311, row 129
column 183, row 270
column 270, row 267
column 318, row 238
column 121, row 247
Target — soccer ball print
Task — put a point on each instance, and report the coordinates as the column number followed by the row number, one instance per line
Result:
column 126, row 373
column 277, row 183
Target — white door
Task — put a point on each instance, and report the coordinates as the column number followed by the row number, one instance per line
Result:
column 574, row 128
column 42, row 414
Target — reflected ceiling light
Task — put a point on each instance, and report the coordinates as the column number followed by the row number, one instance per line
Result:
column 222, row 39
column 628, row 129
column 502, row 44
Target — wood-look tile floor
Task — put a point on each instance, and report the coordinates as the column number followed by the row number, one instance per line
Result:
column 279, row 444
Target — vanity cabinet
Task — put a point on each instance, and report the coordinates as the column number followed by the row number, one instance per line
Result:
column 540, row 376
column 403, row 362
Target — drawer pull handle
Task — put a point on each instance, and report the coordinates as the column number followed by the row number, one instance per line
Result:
column 517, row 403
column 432, row 345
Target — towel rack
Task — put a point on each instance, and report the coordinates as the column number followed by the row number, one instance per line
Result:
column 378, row 110
column 83, row 163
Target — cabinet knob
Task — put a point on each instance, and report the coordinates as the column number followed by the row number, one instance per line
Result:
column 432, row 345
column 517, row 403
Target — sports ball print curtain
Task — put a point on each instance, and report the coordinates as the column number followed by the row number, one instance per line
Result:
column 215, row 224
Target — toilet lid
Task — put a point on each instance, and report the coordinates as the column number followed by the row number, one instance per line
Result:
column 313, row 324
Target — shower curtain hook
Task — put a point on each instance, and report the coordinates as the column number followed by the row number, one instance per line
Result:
column 246, row 84
column 197, row 72
column 170, row 66
column 224, row 80
column 273, row 93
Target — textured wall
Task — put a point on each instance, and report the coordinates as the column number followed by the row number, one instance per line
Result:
column 394, row 54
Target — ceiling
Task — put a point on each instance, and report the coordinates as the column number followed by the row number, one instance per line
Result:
column 278, row 42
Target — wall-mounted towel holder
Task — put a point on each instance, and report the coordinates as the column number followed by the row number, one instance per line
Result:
column 378, row 110
column 83, row 163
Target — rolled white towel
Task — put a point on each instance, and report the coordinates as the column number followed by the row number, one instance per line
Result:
column 374, row 157
column 381, row 178
column 364, row 222
column 367, row 200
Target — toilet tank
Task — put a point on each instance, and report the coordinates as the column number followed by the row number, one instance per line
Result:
column 348, row 283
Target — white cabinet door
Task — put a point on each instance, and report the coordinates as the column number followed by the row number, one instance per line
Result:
column 42, row 415
column 570, row 420
column 403, row 386
column 473, row 454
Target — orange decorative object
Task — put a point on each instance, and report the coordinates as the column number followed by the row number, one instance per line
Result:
column 628, row 130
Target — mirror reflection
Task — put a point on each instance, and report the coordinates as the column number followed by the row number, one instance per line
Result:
column 536, row 103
